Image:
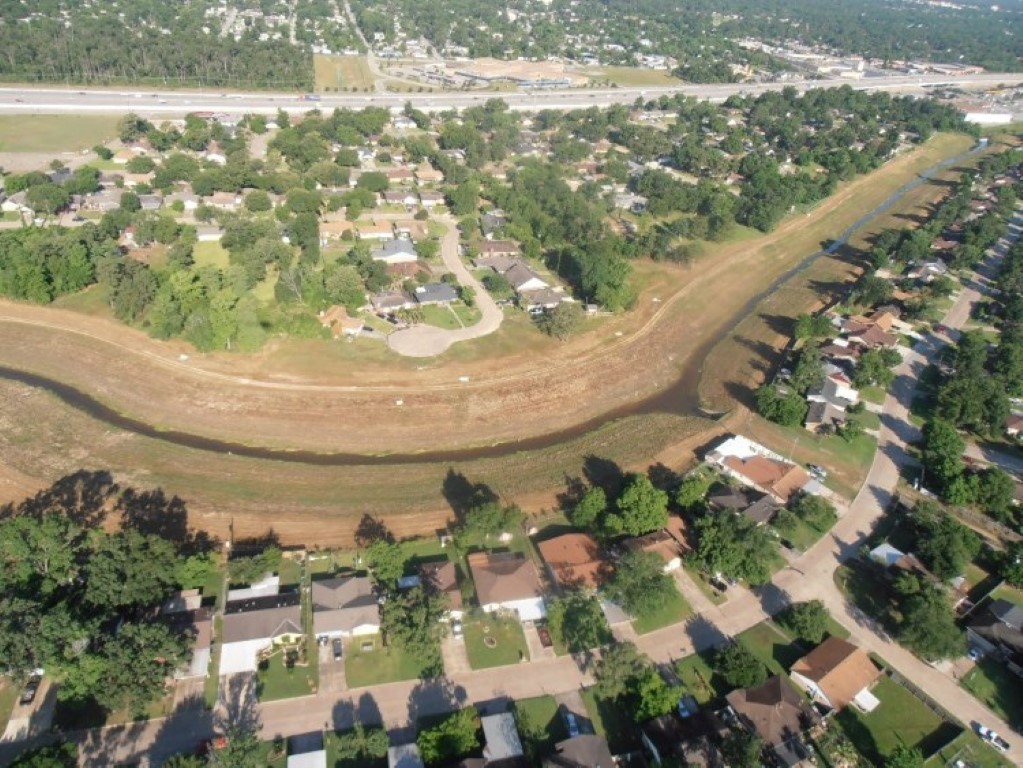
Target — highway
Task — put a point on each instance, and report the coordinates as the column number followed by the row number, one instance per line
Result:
column 177, row 103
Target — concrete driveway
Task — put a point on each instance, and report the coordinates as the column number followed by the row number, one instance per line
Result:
column 430, row 341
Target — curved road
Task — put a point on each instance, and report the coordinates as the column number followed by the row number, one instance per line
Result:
column 428, row 340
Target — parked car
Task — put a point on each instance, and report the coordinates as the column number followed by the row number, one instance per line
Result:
column 975, row 653
column 572, row 724
column 28, row 694
column 992, row 738
column 456, row 628
column 338, row 648
column 818, row 471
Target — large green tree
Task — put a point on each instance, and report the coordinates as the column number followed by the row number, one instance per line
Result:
column 412, row 620
column 640, row 508
column 454, row 737
column 739, row 667
column 639, row 583
column 577, row 619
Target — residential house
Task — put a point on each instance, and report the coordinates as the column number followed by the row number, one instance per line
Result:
column 998, row 629
column 836, row 674
column 499, row 248
column 430, row 199
column 896, row 560
column 760, row 508
column 183, row 612
column 415, row 230
column 402, row 123
column 335, row 230
column 189, row 200
column 669, row 543
column 442, row 578
column 427, row 174
column 522, row 278
column 253, row 626
column 404, row 756
column 507, row 582
column 872, row 337
column 492, row 222
column 225, row 201
column 836, row 389
column 270, row 584
column 208, row 233
column 778, row 714
column 435, row 293
column 500, row 264
column 345, row 606
column 399, row 175
column 307, row 751
column 150, row 202
column 337, row 321
column 822, row 416
column 370, row 230
column 1014, row 425
column 501, row 738
column 391, row 301
column 840, row 351
column 399, row 251
column 583, row 751
column 754, row 465
column 399, row 197
column 573, row 560
column 630, row 202
column 18, row 203
column 536, row 301
column 928, row 271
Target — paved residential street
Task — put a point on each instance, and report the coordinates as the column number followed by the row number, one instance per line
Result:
column 809, row 576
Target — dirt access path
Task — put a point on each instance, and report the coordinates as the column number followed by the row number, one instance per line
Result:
column 538, row 388
column 430, row 341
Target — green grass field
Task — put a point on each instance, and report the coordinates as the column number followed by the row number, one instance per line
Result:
column 901, row 718
column 698, row 677
column 378, row 666
column 335, row 73
column 540, row 726
column 8, row 695
column 775, row 649
column 671, row 611
column 279, row 682
column 971, row 750
column 612, row 722
column 511, row 643
column 55, row 133
column 210, row 255
column 632, row 76
column 991, row 682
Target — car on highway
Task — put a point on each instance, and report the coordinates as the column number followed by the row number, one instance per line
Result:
column 28, row 693
column 992, row 738
column 338, row 648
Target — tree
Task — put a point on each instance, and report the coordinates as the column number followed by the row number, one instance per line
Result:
column 640, row 508
column 944, row 544
column 578, row 620
column 655, row 697
column 808, row 620
column 739, row 667
column 872, row 370
column 619, row 666
column 130, row 202
column 742, row 749
column 787, row 409
column 131, row 569
column 362, row 744
column 61, row 755
column 257, row 201
column 562, row 321
column 808, row 372
column 733, row 546
column 136, row 663
column 387, row 562
column 942, row 453
column 813, row 327
column 241, row 749
column 412, row 621
column 373, row 181
column 995, row 492
column 1011, row 563
column 490, row 518
column 904, row 756
column 928, row 625
column 815, row 511
column 456, row 736
column 692, row 491
column 639, row 583
column 589, row 510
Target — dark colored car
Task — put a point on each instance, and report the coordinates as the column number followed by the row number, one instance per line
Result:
column 28, row 695
column 338, row 648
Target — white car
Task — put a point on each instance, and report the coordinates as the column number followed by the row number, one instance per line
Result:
column 992, row 738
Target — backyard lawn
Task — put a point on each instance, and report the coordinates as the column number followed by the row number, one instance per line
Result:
column 440, row 316
column 997, row 687
column 612, row 722
column 971, row 750
column 901, row 718
column 671, row 611
column 210, row 254
column 698, row 677
column 540, row 725
column 8, row 695
column 279, row 682
column 495, row 642
column 772, row 647
column 379, row 665
column 799, row 534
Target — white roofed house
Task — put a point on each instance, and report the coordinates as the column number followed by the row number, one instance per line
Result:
column 522, row 278
column 430, row 199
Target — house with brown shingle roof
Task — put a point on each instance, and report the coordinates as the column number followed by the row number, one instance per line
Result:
column 573, row 560
column 836, row 674
column 442, row 578
column 753, row 464
column 778, row 714
column 498, row 248
column 507, row 582
column 669, row 543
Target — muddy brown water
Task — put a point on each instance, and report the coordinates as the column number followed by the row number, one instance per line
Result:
column 681, row 397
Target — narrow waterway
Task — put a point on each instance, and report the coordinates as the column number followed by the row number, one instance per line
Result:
column 681, row 397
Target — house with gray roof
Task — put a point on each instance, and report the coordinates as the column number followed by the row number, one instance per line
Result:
column 435, row 293
column 345, row 606
column 400, row 251
column 255, row 625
